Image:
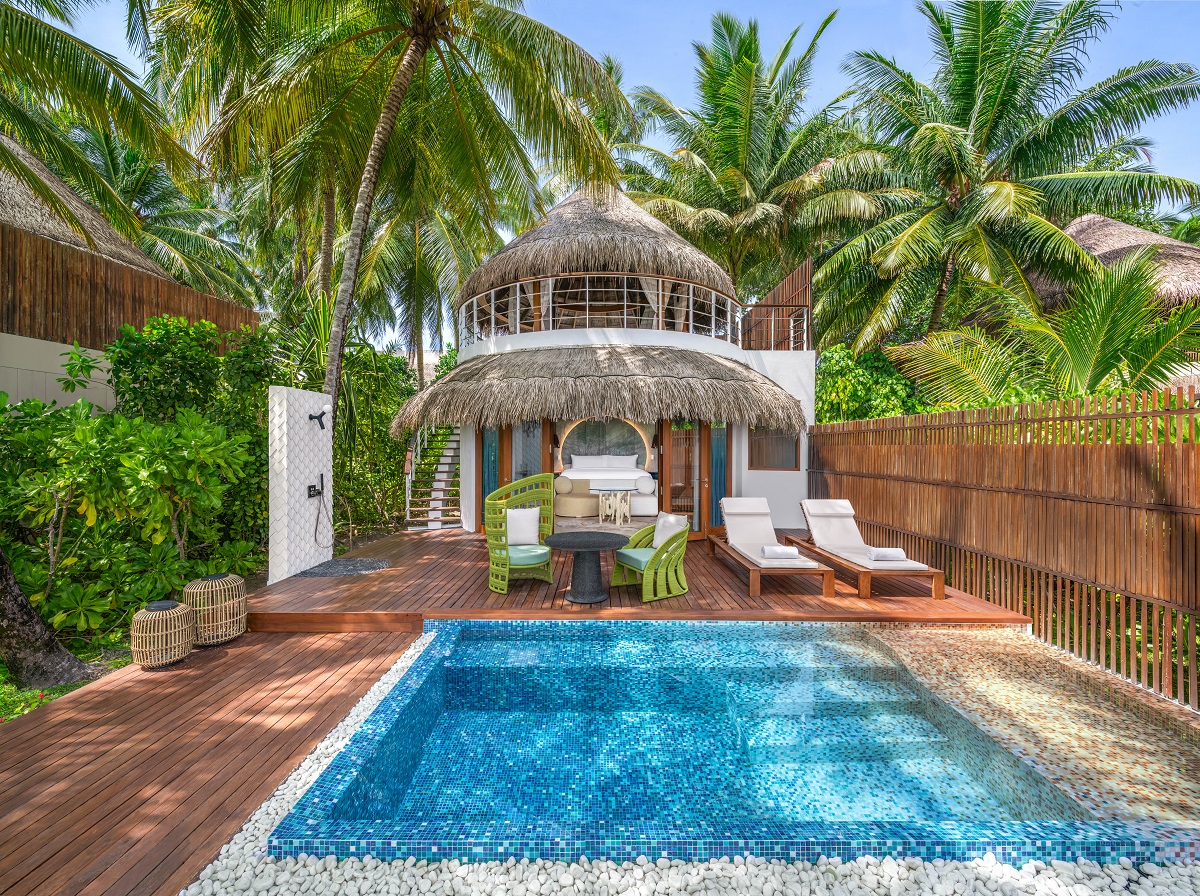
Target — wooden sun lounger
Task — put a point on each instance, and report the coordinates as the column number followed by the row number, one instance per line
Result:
column 864, row 575
column 717, row 543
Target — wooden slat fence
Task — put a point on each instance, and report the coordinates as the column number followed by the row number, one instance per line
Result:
column 1084, row 515
column 53, row 291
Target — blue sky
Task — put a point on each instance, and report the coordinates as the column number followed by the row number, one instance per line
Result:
column 653, row 40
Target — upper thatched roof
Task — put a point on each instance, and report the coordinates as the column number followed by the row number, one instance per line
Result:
column 21, row 208
column 611, row 234
column 633, row 382
column 1109, row 241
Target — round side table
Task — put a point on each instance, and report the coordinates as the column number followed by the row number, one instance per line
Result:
column 586, row 585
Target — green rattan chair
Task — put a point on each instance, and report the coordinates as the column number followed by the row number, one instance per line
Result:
column 518, row 561
column 658, row 570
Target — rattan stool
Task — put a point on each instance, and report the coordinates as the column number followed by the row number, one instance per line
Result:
column 163, row 633
column 220, row 605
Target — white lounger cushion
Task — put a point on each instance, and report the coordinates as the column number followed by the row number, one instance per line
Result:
column 832, row 527
column 748, row 528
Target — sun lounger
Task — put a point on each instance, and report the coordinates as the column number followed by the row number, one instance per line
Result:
column 748, row 528
column 836, row 540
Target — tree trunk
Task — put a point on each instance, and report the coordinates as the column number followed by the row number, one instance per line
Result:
column 300, row 262
column 939, row 298
column 417, row 48
column 328, row 234
column 420, row 360
column 32, row 654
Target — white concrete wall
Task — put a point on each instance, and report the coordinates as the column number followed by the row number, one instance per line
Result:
column 30, row 368
column 300, row 454
column 606, row 336
column 468, row 500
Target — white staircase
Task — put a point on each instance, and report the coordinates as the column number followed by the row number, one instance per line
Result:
column 432, row 479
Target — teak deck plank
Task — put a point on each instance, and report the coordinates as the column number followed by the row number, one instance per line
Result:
column 146, row 797
column 443, row 574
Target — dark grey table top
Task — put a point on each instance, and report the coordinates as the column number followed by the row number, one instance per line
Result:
column 587, row 541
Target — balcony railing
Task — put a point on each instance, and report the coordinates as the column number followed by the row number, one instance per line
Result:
column 587, row 300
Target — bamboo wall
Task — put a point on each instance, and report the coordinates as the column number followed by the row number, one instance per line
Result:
column 56, row 292
column 1084, row 515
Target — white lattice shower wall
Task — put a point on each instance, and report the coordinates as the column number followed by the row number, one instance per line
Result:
column 301, row 454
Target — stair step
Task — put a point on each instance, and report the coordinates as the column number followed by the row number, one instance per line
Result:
column 821, row 696
column 788, row 739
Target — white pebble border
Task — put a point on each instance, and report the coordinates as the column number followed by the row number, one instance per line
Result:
column 243, row 866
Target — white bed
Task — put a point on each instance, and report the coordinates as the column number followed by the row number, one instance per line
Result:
column 608, row 470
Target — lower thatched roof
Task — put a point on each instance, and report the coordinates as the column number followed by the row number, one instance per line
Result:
column 642, row 383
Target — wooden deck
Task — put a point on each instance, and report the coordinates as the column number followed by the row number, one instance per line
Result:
column 132, row 784
column 443, row 574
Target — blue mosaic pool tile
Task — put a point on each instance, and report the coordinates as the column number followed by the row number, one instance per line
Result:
column 688, row 741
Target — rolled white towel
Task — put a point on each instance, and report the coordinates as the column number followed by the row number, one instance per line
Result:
column 780, row 552
column 886, row 554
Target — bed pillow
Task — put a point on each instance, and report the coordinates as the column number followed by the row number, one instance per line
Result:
column 667, row 525
column 588, row 462
column 622, row 462
column 523, row 525
column 645, row 485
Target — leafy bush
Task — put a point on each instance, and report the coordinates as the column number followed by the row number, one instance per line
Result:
column 862, row 388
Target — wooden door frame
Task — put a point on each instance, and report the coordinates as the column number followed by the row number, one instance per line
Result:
column 704, row 495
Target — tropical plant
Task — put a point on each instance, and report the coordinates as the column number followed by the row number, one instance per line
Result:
column 46, row 70
column 183, row 231
column 862, row 388
column 1187, row 230
column 1114, row 334
column 753, row 178
column 993, row 151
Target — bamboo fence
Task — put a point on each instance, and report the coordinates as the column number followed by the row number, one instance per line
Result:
column 53, row 291
column 1084, row 515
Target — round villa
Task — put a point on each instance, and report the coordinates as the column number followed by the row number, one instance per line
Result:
column 601, row 346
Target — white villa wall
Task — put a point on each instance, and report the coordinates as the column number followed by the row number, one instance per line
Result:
column 30, row 368
column 607, row 336
column 468, row 500
column 300, row 454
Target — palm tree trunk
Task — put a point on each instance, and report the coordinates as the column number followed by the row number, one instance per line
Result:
column 29, row 650
column 417, row 48
column 328, row 234
column 420, row 361
column 939, row 298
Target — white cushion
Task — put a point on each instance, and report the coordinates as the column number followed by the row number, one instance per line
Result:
column 645, row 485
column 589, row 461
column 523, row 525
column 779, row 552
column 892, row 554
column 562, row 485
column 667, row 525
column 748, row 522
column 621, row 461
column 858, row 554
column 831, row 522
column 753, row 553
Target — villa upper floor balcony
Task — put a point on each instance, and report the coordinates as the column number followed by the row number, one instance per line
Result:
column 778, row 322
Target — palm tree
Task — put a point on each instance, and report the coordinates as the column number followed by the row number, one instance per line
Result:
column 504, row 71
column 994, row 151
column 187, row 235
column 754, row 180
column 1115, row 334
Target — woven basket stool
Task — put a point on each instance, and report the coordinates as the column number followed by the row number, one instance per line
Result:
column 163, row 633
column 220, row 605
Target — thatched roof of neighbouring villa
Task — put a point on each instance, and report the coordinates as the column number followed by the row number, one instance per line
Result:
column 1109, row 241
column 609, row 233
column 21, row 208
column 644, row 383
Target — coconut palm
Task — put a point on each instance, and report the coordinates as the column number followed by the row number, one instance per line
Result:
column 342, row 57
column 994, row 149
column 186, row 234
column 754, row 179
column 1115, row 334
column 45, row 69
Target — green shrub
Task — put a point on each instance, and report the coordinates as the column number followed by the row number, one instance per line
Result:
column 850, row 388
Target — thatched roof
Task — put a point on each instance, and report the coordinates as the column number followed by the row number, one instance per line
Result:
column 21, row 208
column 642, row 383
column 1109, row 241
column 611, row 234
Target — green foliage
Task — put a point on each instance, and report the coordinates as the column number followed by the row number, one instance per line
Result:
column 16, row 701
column 1113, row 335
column 168, row 365
column 862, row 388
column 447, row 362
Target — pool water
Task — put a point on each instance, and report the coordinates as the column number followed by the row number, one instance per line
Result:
column 683, row 740
column 680, row 727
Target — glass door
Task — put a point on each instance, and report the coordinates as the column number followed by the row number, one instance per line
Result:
column 718, row 475
column 694, row 472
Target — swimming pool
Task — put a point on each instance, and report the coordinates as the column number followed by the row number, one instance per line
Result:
column 679, row 740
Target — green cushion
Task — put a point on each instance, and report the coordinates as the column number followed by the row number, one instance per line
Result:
column 635, row 557
column 527, row 554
